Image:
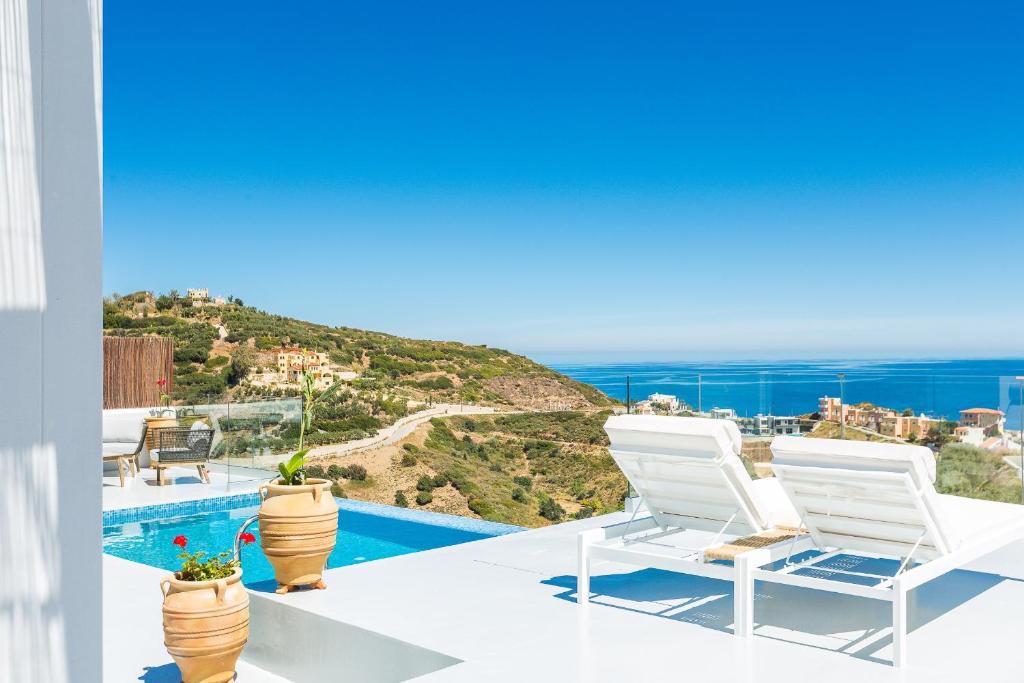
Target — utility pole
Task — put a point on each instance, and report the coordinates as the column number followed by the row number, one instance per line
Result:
column 700, row 401
column 842, row 402
column 627, row 394
column 1020, row 436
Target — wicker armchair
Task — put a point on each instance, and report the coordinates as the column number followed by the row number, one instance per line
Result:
column 182, row 446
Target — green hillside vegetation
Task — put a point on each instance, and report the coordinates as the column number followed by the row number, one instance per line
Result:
column 965, row 470
column 388, row 365
column 527, row 469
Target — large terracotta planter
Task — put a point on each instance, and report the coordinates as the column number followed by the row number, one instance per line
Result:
column 206, row 624
column 298, row 529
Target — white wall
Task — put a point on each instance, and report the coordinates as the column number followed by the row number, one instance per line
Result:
column 50, row 353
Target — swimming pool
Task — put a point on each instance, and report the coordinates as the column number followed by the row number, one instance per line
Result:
column 366, row 532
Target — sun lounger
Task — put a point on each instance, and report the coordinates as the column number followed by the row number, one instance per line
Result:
column 878, row 500
column 689, row 476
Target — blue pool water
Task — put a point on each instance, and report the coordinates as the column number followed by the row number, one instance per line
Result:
column 366, row 532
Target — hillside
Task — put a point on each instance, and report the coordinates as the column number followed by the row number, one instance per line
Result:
column 218, row 348
column 529, row 469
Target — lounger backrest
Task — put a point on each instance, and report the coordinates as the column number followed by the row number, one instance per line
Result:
column 688, row 471
column 870, row 497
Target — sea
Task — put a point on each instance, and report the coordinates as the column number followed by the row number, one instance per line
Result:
column 937, row 388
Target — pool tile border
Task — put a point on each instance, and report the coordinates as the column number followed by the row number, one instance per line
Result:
column 185, row 508
column 181, row 508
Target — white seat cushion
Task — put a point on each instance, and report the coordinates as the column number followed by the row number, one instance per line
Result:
column 687, row 467
column 856, row 455
column 974, row 518
column 124, row 424
column 878, row 515
column 775, row 503
column 119, row 448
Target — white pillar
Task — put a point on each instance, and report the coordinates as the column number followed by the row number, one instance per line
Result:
column 50, row 342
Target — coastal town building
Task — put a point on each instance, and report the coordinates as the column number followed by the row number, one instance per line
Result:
column 985, row 418
column 201, row 294
column 668, row 400
column 906, row 426
column 769, row 425
column 660, row 404
column 722, row 413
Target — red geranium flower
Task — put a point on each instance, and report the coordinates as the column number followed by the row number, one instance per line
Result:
column 247, row 538
column 162, row 381
column 180, row 541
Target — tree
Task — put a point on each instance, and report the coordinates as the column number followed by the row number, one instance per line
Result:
column 908, row 412
column 242, row 361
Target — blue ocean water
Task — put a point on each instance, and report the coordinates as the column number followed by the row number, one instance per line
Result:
column 362, row 537
column 938, row 388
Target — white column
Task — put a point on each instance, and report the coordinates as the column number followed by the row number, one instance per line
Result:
column 50, row 344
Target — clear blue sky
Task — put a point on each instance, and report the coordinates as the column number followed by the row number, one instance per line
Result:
column 663, row 180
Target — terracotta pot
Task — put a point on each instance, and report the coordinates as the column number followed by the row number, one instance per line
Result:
column 157, row 422
column 206, row 624
column 298, row 530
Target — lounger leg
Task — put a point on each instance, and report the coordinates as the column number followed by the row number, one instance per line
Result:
column 899, row 626
column 120, row 471
column 743, row 597
column 583, row 571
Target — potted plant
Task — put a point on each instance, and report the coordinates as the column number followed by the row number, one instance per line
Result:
column 160, row 418
column 298, row 517
column 206, row 614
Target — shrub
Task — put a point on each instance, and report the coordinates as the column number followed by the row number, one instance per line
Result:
column 480, row 506
column 354, row 472
column 217, row 361
column 424, row 497
column 584, row 512
column 410, row 447
column 315, row 471
column 440, row 481
column 425, row 483
column 334, row 471
column 579, row 489
column 408, row 459
column 518, row 495
column 525, row 482
column 337, row 491
column 400, row 500
column 551, row 510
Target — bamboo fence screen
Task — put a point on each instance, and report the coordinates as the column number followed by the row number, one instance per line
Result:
column 131, row 368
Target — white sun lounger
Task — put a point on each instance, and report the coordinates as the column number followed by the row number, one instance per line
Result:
column 878, row 500
column 689, row 476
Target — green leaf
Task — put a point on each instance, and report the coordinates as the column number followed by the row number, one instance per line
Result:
column 285, row 476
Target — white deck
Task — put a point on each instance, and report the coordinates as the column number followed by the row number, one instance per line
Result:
column 506, row 608
column 142, row 490
column 133, row 647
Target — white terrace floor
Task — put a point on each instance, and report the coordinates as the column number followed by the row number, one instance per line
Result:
column 142, row 490
column 503, row 609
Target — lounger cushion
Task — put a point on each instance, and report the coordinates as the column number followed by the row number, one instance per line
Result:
column 677, row 465
column 975, row 518
column 856, row 455
column 860, row 512
column 776, row 504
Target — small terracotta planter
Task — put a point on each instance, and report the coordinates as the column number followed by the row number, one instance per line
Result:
column 155, row 422
column 206, row 624
column 298, row 530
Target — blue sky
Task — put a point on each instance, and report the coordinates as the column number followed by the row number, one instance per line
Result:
column 580, row 180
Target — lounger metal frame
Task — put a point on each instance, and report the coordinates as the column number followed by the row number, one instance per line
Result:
column 920, row 562
column 624, row 543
